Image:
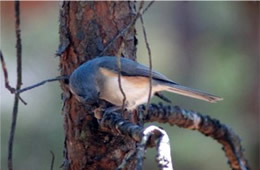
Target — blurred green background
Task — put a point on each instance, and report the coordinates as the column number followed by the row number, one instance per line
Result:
column 212, row 46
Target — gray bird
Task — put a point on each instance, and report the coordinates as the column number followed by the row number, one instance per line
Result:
column 98, row 79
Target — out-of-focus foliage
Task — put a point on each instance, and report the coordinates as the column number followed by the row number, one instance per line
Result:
column 212, row 46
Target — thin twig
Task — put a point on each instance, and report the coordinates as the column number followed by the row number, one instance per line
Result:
column 139, row 13
column 41, row 83
column 147, row 7
column 18, row 84
column 13, row 90
column 7, row 85
column 22, row 100
column 161, row 96
column 52, row 160
column 119, row 61
column 12, row 132
column 122, row 32
column 119, row 81
column 150, row 63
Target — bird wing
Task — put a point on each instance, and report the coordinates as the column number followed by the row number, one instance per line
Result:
column 132, row 68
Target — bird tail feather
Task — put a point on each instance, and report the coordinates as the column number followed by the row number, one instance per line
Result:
column 194, row 93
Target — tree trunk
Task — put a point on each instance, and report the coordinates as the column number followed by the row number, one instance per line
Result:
column 85, row 30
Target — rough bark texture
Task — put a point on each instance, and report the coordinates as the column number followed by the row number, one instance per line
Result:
column 85, row 30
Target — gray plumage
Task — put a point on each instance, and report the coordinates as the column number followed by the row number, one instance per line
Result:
column 98, row 78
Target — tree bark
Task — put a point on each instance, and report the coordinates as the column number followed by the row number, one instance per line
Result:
column 85, row 30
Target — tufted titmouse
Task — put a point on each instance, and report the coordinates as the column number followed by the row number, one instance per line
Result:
column 98, row 79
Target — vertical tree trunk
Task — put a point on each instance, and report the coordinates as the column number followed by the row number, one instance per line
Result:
column 85, row 30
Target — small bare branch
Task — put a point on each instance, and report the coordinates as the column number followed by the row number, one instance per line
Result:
column 150, row 62
column 119, row 81
column 16, row 91
column 161, row 96
column 18, row 84
column 52, row 160
column 147, row 7
column 175, row 115
column 41, row 83
column 22, row 100
column 7, row 85
column 123, row 31
column 119, row 62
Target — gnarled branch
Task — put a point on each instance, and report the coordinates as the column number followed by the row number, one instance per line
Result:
column 175, row 115
column 147, row 137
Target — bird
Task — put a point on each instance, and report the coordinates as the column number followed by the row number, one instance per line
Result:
column 98, row 79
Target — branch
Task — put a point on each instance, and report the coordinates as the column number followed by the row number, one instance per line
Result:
column 123, row 31
column 7, row 85
column 52, row 160
column 150, row 62
column 175, row 115
column 118, row 62
column 41, row 83
column 119, row 55
column 16, row 91
column 18, row 84
column 147, row 137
